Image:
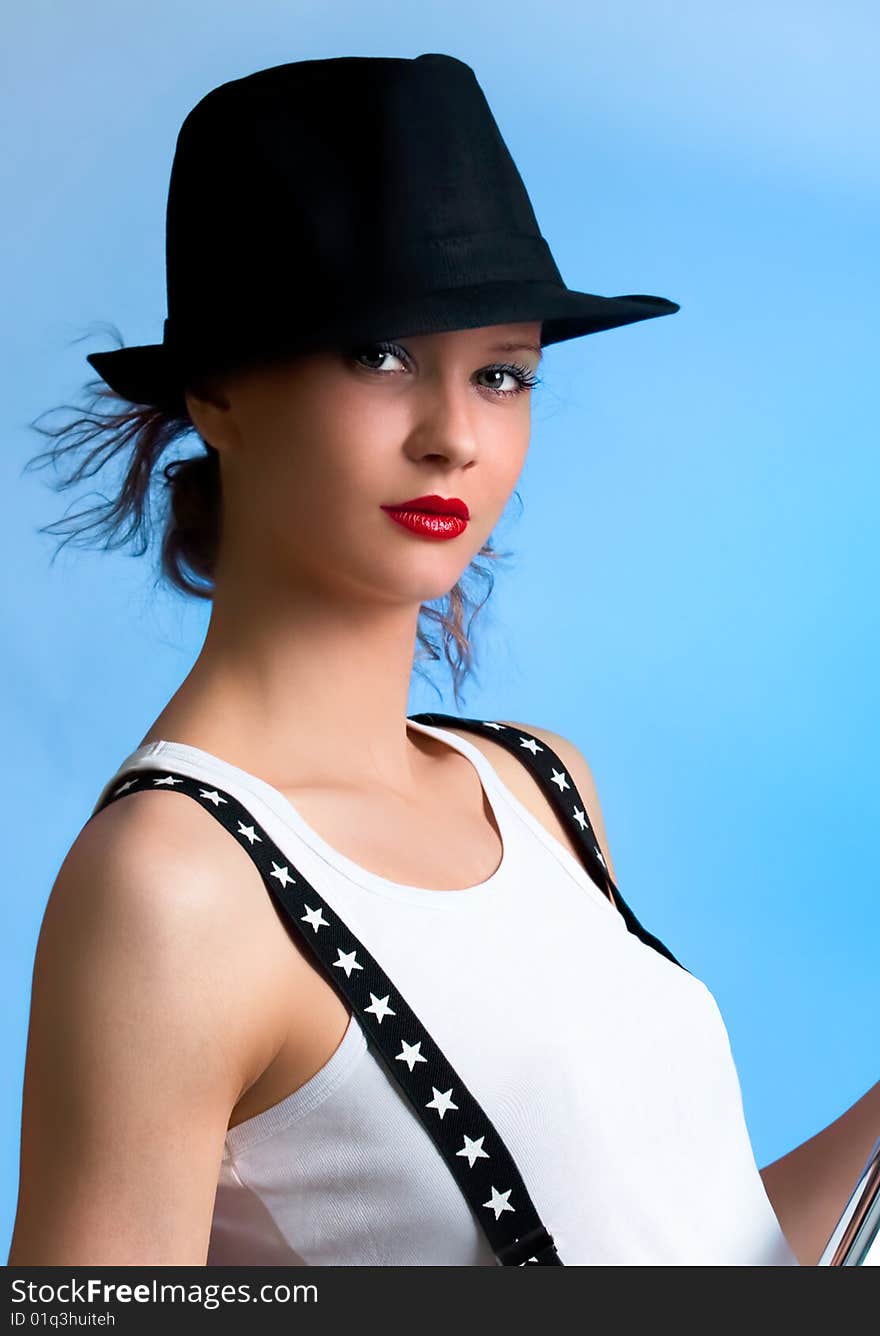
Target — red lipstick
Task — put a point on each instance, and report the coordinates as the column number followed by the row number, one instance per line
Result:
column 431, row 516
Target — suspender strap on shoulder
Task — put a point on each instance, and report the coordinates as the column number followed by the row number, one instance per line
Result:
column 561, row 791
column 463, row 1133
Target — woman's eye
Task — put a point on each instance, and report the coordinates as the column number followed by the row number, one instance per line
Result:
column 495, row 380
column 377, row 354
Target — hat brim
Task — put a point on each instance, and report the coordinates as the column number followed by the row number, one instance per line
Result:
column 150, row 374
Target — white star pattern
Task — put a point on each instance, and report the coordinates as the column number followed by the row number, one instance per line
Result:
column 473, row 1149
column 282, row 874
column 498, row 1201
column 316, row 920
column 488, row 724
column 558, row 777
column 442, row 1103
column 169, row 779
column 379, row 1007
column 579, row 818
column 212, row 795
column 598, row 854
column 346, row 961
column 410, row 1054
column 249, row 833
column 127, row 785
column 530, row 745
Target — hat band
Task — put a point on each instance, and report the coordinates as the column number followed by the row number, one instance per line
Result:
column 387, row 274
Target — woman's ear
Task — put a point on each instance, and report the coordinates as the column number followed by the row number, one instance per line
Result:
column 208, row 409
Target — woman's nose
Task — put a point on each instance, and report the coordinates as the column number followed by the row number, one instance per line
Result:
column 447, row 422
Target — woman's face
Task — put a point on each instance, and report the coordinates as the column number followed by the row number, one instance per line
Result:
column 314, row 446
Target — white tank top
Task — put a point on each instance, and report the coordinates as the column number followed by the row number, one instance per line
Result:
column 605, row 1068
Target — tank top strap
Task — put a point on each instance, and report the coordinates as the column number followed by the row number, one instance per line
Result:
column 469, row 1138
column 561, row 791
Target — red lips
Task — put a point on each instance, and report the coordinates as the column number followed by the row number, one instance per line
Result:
column 431, row 516
column 434, row 505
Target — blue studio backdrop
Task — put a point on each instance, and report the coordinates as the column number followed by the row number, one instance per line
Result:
column 692, row 593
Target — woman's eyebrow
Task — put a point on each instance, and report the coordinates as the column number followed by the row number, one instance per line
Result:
column 517, row 347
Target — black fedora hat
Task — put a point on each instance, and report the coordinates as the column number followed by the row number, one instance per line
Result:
column 329, row 202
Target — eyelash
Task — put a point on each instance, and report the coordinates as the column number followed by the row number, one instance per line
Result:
column 526, row 377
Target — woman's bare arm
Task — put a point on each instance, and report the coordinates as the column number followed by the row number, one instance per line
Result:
column 810, row 1186
column 145, row 1023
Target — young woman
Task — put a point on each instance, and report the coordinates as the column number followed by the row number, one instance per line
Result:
column 357, row 308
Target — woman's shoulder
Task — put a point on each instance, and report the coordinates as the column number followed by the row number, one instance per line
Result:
column 155, row 884
column 150, row 851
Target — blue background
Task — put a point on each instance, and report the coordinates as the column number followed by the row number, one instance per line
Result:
column 692, row 596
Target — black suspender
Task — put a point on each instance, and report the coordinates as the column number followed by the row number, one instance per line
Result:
column 463, row 1133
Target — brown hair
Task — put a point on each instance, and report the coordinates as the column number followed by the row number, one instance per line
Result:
column 191, row 511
